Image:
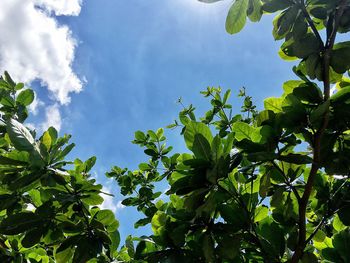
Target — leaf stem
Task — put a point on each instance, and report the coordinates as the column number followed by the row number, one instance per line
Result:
column 311, row 22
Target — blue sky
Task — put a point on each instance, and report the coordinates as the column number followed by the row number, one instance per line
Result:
column 135, row 58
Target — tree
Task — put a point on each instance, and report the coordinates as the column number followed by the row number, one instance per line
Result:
column 262, row 186
column 48, row 205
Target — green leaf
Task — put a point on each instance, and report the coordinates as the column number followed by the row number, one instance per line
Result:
column 25, row 97
column 46, row 140
column 243, row 131
column 265, row 183
column 341, row 243
column 92, row 199
column 319, row 12
column 237, row 16
column 115, row 237
column 64, row 152
column 295, row 158
column 32, row 237
column 261, row 212
column 337, row 224
column 272, row 237
column 283, row 22
column 313, row 66
column 130, row 246
column 89, row 163
column 7, row 200
column 309, row 257
column 273, row 104
column 234, row 215
column 26, row 180
column 344, row 215
column 5, row 160
column 19, row 223
column 53, row 134
column 300, row 27
column 272, row 6
column 142, row 222
column 64, row 256
column 318, row 114
column 193, row 129
column 19, row 135
column 342, row 95
column 262, row 156
column 254, row 11
column 340, row 59
column 303, row 47
column 19, row 86
column 228, row 245
column 9, row 80
column 208, row 248
column 201, row 147
column 106, row 217
column 69, row 242
column 308, row 92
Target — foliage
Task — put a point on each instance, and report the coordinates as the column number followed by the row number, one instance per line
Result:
column 48, row 206
column 261, row 186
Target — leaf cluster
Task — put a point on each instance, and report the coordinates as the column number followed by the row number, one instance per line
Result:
column 259, row 186
column 48, row 205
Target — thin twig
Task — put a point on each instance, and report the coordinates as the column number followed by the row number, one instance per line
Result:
column 310, row 22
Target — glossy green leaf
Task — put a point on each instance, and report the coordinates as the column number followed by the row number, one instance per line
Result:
column 243, row 131
column 261, row 212
column 20, row 136
column 254, row 11
column 273, row 104
column 237, row 16
column 106, row 217
column 25, row 97
column 196, row 128
column 272, row 6
column 201, row 147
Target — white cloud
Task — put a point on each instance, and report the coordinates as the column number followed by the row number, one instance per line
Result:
column 34, row 46
column 109, row 203
column 59, row 7
column 52, row 118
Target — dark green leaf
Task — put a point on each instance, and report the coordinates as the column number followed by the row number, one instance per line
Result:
column 19, row 223
column 25, row 97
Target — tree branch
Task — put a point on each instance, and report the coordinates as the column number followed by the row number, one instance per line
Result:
column 317, row 138
column 315, row 231
column 310, row 22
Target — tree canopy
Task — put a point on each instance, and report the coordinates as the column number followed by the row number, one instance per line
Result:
column 268, row 185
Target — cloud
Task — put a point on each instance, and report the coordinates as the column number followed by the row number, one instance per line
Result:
column 109, row 203
column 34, row 46
column 59, row 7
column 52, row 118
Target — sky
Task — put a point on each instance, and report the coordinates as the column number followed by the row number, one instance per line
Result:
column 102, row 69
